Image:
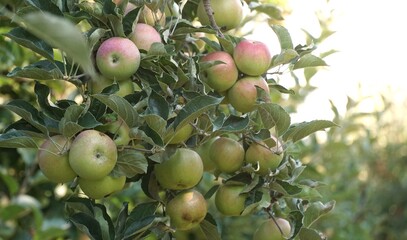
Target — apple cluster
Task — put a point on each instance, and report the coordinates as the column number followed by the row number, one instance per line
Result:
column 89, row 158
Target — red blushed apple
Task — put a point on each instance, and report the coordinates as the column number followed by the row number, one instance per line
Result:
column 144, row 36
column 221, row 76
column 243, row 95
column 118, row 58
column 252, row 57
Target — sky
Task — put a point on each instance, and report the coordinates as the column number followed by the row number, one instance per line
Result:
column 370, row 38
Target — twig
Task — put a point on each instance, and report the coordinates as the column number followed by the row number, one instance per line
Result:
column 209, row 12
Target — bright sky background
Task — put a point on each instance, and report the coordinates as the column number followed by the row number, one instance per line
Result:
column 371, row 39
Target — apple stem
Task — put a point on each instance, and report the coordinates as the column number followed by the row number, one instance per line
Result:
column 209, row 12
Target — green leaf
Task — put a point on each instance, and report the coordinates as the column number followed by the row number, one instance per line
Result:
column 140, row 218
column 27, row 112
column 121, row 220
column 105, row 222
column 129, row 20
column 130, row 162
column 120, row 106
column 41, row 70
column 209, row 228
column 18, row 139
column 317, row 210
column 309, row 234
column 88, row 225
column 273, row 115
column 194, row 108
column 309, row 60
column 11, row 184
column 283, row 36
column 269, row 9
column 158, row 105
column 46, row 5
column 301, row 130
column 235, row 124
column 26, row 39
column 71, row 40
column 68, row 125
column 286, row 56
column 156, row 123
column 42, row 91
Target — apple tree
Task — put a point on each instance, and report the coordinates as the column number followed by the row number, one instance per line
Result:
column 168, row 122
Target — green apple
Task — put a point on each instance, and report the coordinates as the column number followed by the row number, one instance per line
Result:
column 228, row 14
column 187, row 209
column 182, row 170
column 144, row 36
column 221, row 76
column 180, row 135
column 103, row 187
column 227, row 154
column 204, row 152
column 53, row 159
column 118, row 58
column 93, row 155
column 243, row 94
column 269, row 230
column 252, row 57
column 229, row 199
column 126, row 87
column 259, row 153
column 119, row 129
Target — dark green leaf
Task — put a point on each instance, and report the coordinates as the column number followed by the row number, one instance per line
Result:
column 129, row 19
column 26, row 39
column 273, row 115
column 194, row 108
column 283, row 36
column 130, row 162
column 120, row 106
column 158, row 105
column 309, row 60
column 211, row 191
column 41, row 70
column 27, row 112
column 42, row 91
column 88, row 225
column 235, row 124
column 105, row 222
column 71, row 40
column 156, row 123
column 140, row 218
column 301, row 130
column 317, row 210
column 46, row 5
column 121, row 221
column 18, row 139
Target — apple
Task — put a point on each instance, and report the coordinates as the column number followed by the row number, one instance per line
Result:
column 252, row 57
column 144, row 36
column 227, row 154
column 204, row 152
column 187, row 209
column 243, row 94
column 180, row 136
column 53, row 159
column 126, row 87
column 229, row 199
column 182, row 170
column 151, row 17
column 103, row 187
column 221, row 76
column 228, row 14
column 259, row 153
column 269, row 230
column 118, row 58
column 119, row 129
column 93, row 155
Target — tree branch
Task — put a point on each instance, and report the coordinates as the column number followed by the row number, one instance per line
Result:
column 209, row 12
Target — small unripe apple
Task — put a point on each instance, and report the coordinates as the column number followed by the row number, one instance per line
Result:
column 252, row 57
column 227, row 154
column 182, row 170
column 243, row 94
column 229, row 199
column 180, row 135
column 269, row 230
column 118, row 58
column 93, row 155
column 221, row 76
column 265, row 157
column 126, row 87
column 97, row 189
column 228, row 14
column 187, row 210
column 53, row 159
column 119, row 129
column 144, row 36
column 204, row 152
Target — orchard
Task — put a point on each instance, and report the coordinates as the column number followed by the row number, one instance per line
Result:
column 173, row 118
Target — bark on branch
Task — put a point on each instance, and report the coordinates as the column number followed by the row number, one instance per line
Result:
column 209, row 12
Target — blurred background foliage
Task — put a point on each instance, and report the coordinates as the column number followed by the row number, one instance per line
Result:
column 361, row 165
